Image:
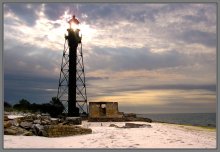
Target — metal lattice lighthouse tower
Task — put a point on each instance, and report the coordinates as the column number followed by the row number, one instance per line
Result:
column 72, row 87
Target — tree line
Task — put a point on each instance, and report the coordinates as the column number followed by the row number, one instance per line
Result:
column 54, row 107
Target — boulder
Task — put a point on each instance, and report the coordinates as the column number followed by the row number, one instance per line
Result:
column 113, row 125
column 15, row 122
column 38, row 129
column 27, row 133
column 6, row 118
column 37, row 121
column 13, row 130
column 54, row 121
column 137, row 119
column 7, row 124
column 134, row 125
column 26, row 125
column 72, row 121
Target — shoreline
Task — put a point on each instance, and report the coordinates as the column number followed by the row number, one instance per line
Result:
column 187, row 125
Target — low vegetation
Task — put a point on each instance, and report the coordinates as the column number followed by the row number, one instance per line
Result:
column 54, row 107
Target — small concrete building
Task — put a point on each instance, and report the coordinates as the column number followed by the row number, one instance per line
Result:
column 104, row 110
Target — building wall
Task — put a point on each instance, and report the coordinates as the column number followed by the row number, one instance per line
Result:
column 110, row 110
column 94, row 110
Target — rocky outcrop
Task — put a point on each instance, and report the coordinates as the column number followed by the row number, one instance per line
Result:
column 41, row 125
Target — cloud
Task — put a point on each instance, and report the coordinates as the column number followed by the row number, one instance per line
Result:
column 125, row 59
column 196, row 36
column 26, row 12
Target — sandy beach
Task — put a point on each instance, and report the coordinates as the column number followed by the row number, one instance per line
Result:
column 160, row 135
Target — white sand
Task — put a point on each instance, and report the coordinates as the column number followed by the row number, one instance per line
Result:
column 159, row 136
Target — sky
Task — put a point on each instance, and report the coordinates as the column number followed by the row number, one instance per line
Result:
column 150, row 58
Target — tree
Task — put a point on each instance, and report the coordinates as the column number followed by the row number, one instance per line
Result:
column 7, row 106
column 23, row 105
column 24, row 102
column 54, row 107
column 57, row 107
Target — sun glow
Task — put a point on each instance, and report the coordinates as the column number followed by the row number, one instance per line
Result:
column 87, row 32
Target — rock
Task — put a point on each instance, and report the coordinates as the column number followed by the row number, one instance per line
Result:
column 27, row 133
column 7, row 124
column 211, row 125
column 137, row 119
column 45, row 114
column 45, row 122
column 10, row 131
column 38, row 116
column 26, row 125
column 54, row 121
column 6, row 113
column 13, row 130
column 133, row 125
column 37, row 129
column 65, row 130
column 72, row 121
column 113, row 125
column 37, row 121
column 146, row 119
column 6, row 118
column 15, row 122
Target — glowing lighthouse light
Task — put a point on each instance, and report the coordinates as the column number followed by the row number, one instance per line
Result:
column 74, row 23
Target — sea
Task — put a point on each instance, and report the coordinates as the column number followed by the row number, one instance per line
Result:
column 194, row 119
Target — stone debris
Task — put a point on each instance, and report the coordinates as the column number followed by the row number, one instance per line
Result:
column 72, row 121
column 132, row 125
column 65, row 130
column 44, row 125
column 26, row 125
column 113, row 125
